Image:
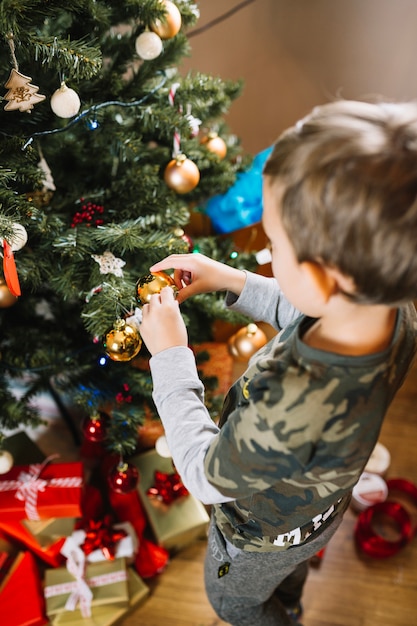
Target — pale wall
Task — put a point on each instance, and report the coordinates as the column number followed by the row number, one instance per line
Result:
column 294, row 54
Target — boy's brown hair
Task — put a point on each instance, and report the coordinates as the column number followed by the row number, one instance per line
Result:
column 349, row 171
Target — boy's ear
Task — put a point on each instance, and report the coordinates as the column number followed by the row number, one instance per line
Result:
column 328, row 280
column 322, row 277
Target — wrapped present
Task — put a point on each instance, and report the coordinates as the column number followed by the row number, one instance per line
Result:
column 41, row 491
column 174, row 525
column 20, row 535
column 23, row 577
column 109, row 614
column 101, row 539
column 74, row 591
column 48, row 531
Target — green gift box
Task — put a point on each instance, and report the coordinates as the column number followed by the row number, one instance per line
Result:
column 109, row 615
column 174, row 525
column 108, row 581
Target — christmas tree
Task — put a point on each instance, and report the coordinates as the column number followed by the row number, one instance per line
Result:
column 107, row 153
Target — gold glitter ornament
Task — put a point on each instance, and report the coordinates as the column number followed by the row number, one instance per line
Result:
column 122, row 342
column 150, row 284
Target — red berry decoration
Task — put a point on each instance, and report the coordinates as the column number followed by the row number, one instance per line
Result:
column 123, row 478
column 94, row 427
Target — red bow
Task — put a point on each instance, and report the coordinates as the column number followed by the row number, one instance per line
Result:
column 99, row 535
column 167, row 487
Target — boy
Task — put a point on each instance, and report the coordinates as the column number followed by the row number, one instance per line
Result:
column 298, row 427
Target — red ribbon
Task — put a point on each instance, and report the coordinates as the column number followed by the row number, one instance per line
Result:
column 167, row 487
column 99, row 535
column 372, row 542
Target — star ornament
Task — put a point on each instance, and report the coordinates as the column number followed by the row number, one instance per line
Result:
column 109, row 264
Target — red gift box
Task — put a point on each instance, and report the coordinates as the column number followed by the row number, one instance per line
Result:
column 19, row 534
column 41, row 491
column 22, row 578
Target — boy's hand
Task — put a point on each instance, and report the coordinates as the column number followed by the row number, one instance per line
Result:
column 196, row 273
column 162, row 325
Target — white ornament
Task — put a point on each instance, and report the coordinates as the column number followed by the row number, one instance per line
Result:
column 161, row 447
column 65, row 102
column 148, row 45
column 109, row 264
column 19, row 237
column 6, row 461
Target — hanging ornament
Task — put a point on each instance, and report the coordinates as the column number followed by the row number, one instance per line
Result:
column 94, row 426
column 22, row 95
column 90, row 214
column 150, row 284
column 7, row 299
column 248, row 340
column 170, row 24
column 48, row 181
column 123, row 478
column 215, row 144
column 148, row 45
column 19, row 237
column 109, row 264
column 9, row 269
column 186, row 238
column 181, row 174
column 122, row 342
column 6, row 461
column 65, row 102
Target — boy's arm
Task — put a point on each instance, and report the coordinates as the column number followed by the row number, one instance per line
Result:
column 263, row 301
column 189, row 429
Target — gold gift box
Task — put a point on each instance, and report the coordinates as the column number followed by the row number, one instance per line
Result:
column 113, row 593
column 110, row 615
column 48, row 531
column 174, row 525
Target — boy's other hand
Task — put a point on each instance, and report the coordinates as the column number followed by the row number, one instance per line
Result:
column 162, row 324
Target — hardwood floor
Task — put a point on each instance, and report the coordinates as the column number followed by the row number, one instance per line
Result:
column 347, row 589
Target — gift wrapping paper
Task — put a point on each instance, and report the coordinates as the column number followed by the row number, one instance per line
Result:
column 22, row 582
column 41, row 491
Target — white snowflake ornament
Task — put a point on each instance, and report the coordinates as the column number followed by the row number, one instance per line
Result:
column 109, row 264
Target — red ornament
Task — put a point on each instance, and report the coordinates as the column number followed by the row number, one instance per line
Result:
column 123, row 478
column 95, row 427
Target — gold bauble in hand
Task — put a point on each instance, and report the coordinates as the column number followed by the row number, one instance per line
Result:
column 148, row 285
column 122, row 342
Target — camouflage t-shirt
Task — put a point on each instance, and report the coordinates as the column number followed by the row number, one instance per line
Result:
column 297, row 430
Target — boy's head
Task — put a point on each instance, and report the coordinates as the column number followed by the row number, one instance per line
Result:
column 349, row 174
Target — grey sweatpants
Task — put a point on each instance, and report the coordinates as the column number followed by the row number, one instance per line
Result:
column 253, row 588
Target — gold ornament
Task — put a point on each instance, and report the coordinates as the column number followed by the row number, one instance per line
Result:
column 122, row 342
column 151, row 284
column 248, row 340
column 6, row 461
column 22, row 95
column 65, row 102
column 181, row 174
column 7, row 299
column 215, row 144
column 170, row 25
